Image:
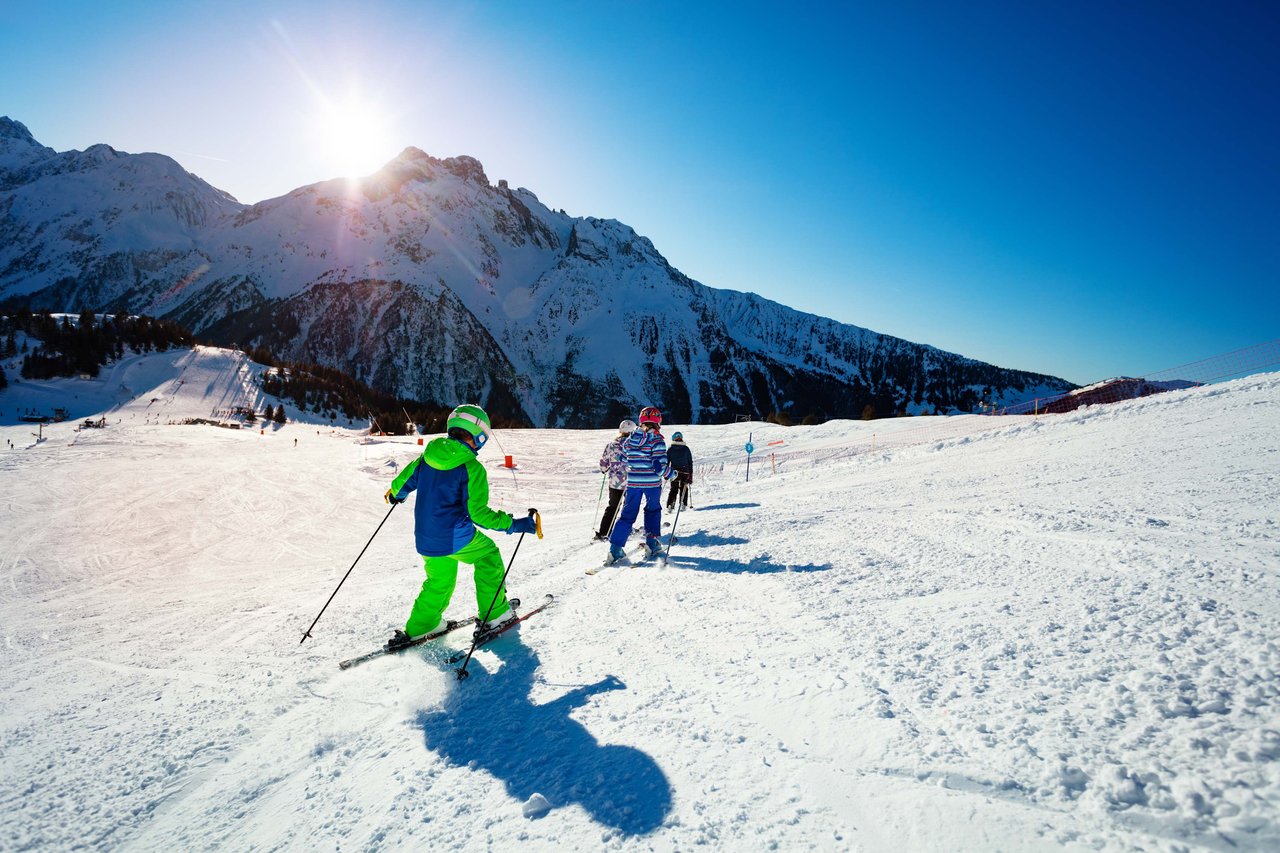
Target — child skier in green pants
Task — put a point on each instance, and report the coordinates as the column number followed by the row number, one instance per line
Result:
column 453, row 498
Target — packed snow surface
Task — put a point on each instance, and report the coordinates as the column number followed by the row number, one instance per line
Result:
column 1057, row 634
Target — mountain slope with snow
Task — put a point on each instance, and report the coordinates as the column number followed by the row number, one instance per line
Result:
column 1058, row 634
column 432, row 283
column 154, row 388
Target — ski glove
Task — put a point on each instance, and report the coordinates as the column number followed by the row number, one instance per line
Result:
column 391, row 498
column 523, row 525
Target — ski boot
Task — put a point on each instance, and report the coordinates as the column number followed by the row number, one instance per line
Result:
column 398, row 640
column 653, row 547
column 616, row 554
column 496, row 623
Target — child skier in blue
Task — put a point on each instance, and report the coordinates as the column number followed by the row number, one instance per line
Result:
column 646, row 469
column 453, row 499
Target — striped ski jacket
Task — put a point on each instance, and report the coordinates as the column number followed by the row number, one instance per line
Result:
column 646, row 459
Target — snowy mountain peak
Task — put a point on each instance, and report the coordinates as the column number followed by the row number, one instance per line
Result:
column 15, row 130
column 101, row 152
column 19, row 150
column 412, row 154
column 411, row 163
column 467, row 168
column 463, row 166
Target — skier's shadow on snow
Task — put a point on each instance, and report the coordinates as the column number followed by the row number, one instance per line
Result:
column 490, row 723
column 702, row 539
column 762, row 565
column 724, row 506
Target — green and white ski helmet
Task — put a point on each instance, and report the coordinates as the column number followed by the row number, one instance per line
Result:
column 473, row 419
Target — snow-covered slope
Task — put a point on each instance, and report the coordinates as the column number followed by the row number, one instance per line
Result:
column 1057, row 635
column 152, row 388
column 430, row 282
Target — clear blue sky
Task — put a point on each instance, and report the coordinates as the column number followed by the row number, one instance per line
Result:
column 1083, row 189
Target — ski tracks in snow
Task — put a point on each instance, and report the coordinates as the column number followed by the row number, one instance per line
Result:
column 1061, row 635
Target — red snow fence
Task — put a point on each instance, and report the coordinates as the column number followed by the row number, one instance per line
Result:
column 1232, row 365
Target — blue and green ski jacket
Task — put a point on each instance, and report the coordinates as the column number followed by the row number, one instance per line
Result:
column 453, row 497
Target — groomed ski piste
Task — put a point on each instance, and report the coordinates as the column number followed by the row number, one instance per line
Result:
column 1061, row 633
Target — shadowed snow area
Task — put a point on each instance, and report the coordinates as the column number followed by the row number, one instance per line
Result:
column 1059, row 634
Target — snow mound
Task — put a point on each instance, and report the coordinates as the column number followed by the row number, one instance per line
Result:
column 535, row 806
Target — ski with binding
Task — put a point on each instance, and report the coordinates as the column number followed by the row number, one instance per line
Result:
column 489, row 636
column 388, row 649
column 626, row 560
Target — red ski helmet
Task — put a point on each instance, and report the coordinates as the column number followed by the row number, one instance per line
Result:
column 650, row 415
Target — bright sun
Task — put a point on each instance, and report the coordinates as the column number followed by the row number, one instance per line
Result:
column 351, row 138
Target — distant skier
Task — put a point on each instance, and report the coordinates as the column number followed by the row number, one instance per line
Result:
column 646, row 469
column 613, row 462
column 681, row 459
column 453, row 497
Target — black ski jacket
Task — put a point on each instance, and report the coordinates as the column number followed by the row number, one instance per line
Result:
column 680, row 457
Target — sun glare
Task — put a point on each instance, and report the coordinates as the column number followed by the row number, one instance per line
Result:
column 351, row 138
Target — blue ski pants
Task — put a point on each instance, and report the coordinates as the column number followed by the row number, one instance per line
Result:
column 652, row 496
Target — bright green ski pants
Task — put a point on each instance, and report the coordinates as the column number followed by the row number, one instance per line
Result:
column 442, row 575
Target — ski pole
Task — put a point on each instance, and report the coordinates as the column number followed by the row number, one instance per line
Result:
column 598, row 497
column 672, row 540
column 307, row 633
column 475, row 638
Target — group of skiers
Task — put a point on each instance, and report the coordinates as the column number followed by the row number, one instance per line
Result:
column 634, row 464
column 453, row 500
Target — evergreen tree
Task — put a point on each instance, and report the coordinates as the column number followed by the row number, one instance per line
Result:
column 280, row 414
column 64, row 349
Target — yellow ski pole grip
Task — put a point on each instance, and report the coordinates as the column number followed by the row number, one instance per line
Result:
column 537, row 521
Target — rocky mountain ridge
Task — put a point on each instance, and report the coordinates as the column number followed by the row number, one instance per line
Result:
column 428, row 281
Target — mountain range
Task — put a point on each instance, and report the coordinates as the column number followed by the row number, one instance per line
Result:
column 428, row 281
